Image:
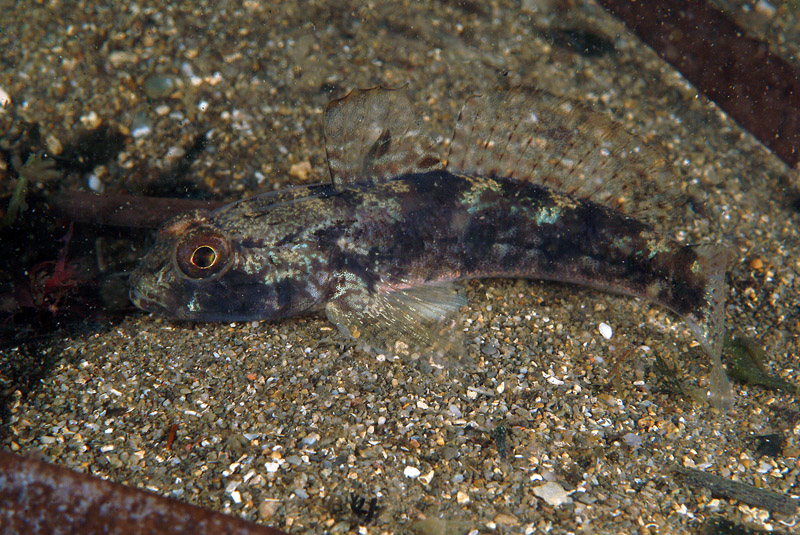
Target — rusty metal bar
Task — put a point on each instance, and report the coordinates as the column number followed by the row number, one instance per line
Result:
column 37, row 498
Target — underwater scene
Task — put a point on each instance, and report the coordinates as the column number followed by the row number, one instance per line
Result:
column 440, row 267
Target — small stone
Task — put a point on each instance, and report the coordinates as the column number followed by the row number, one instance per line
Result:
column 462, row 497
column 272, row 467
column 91, row 120
column 95, row 184
column 449, row 453
column 605, row 330
column 765, row 8
column 158, row 86
column 489, row 350
column 632, row 439
column 411, row 472
column 506, row 520
column 54, row 146
column 120, row 57
column 553, row 494
column 268, row 508
column 301, row 170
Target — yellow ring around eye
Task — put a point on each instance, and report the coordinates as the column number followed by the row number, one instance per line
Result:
column 204, row 257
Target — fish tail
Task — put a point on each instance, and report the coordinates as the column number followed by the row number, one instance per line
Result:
column 708, row 321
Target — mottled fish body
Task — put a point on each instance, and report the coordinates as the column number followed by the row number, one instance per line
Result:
column 377, row 247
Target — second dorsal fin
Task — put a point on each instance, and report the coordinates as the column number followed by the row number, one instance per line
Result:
column 373, row 135
column 534, row 136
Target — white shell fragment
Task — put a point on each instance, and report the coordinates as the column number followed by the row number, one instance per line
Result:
column 605, row 330
column 411, row 472
column 553, row 494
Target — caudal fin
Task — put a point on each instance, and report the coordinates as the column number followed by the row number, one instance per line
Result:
column 708, row 322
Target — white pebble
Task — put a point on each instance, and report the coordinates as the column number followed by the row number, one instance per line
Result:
column 94, row 183
column 606, row 330
column 140, row 130
column 553, row 494
column 411, row 472
column 765, row 8
column 91, row 120
column 272, row 467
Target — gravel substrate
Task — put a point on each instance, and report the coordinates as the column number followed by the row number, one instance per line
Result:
column 557, row 427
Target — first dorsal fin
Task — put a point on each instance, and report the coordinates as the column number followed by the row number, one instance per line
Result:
column 534, row 136
column 373, row 135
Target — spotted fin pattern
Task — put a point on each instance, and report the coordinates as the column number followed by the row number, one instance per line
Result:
column 534, row 136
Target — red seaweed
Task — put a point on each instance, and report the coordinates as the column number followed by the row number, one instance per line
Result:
column 41, row 498
column 756, row 87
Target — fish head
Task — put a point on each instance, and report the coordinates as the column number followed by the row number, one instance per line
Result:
column 198, row 270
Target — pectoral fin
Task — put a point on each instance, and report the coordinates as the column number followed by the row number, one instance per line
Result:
column 417, row 320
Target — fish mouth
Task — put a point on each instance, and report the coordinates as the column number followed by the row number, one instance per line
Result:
column 143, row 301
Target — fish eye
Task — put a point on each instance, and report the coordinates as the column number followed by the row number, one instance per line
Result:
column 203, row 253
column 204, row 257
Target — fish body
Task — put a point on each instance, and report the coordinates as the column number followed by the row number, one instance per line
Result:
column 378, row 247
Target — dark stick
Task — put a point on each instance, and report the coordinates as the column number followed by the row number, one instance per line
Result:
column 757, row 88
column 124, row 210
column 719, row 486
column 40, row 498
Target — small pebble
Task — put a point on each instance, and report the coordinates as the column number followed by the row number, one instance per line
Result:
column 301, row 170
column 411, row 472
column 268, row 508
column 95, row 184
column 553, row 494
column 158, row 85
column 765, row 8
column 91, row 120
column 605, row 330
column 632, row 439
